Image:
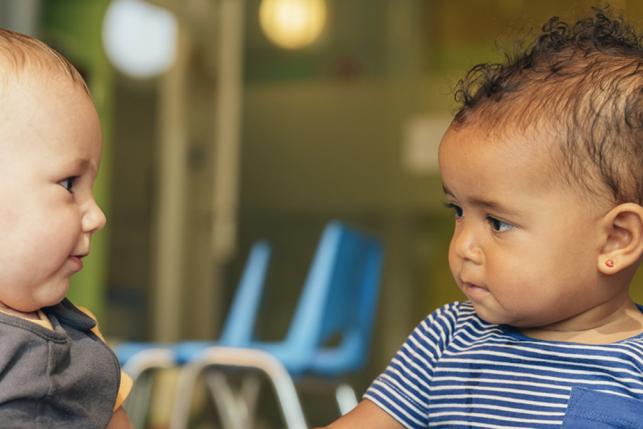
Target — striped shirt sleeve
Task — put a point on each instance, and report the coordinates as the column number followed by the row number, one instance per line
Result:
column 402, row 390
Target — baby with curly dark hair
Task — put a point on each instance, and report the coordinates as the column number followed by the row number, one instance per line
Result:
column 543, row 169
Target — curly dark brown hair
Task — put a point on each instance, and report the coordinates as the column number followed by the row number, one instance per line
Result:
column 583, row 84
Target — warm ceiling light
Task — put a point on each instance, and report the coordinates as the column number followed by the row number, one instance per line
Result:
column 292, row 24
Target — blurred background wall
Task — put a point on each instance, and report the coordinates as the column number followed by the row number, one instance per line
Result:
column 346, row 127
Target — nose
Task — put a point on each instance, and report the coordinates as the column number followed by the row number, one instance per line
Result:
column 93, row 217
column 466, row 246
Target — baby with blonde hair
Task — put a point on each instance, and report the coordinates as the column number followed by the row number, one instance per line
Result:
column 57, row 372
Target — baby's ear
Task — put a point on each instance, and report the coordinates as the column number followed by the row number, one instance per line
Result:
column 623, row 243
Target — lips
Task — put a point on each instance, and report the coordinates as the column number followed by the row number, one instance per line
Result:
column 474, row 291
column 77, row 261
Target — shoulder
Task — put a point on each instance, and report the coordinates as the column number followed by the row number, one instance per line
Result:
column 437, row 329
column 448, row 317
column 451, row 321
column 92, row 316
column 86, row 312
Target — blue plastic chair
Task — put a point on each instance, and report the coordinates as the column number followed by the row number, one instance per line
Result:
column 137, row 358
column 338, row 300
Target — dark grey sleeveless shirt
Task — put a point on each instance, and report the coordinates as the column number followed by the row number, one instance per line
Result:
column 65, row 378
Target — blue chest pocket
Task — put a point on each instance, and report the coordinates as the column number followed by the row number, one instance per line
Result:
column 597, row 410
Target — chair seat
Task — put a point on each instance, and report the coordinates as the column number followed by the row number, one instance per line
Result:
column 331, row 362
column 126, row 351
column 188, row 351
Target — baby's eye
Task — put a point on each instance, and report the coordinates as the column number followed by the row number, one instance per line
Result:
column 497, row 225
column 457, row 209
column 68, row 183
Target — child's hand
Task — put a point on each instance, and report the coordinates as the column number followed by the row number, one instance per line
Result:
column 119, row 420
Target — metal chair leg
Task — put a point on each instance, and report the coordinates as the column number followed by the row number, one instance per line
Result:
column 139, row 368
column 233, row 410
column 222, row 357
column 186, row 383
column 346, row 398
column 250, row 386
column 137, row 404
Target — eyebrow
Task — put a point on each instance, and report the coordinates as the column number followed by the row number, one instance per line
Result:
column 487, row 204
column 82, row 164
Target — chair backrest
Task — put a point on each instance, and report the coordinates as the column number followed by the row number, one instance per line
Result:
column 340, row 294
column 239, row 324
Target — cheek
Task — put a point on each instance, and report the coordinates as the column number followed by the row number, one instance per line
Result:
column 62, row 234
column 561, row 255
column 49, row 233
column 513, row 276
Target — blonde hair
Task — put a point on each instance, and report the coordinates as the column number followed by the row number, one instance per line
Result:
column 19, row 50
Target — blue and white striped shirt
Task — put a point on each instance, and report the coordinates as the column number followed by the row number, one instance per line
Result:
column 457, row 371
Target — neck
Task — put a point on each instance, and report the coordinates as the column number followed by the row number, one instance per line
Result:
column 31, row 315
column 607, row 323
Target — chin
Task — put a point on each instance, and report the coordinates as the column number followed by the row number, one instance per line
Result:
column 490, row 316
column 57, row 301
column 493, row 320
column 55, row 298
